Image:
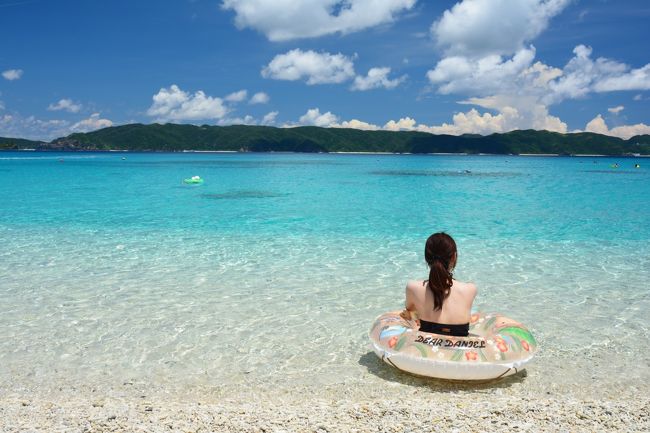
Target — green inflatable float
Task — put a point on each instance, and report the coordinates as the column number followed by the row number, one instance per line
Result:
column 194, row 180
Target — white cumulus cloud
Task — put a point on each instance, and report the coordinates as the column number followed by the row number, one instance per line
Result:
column 500, row 83
column 403, row 124
column 66, row 105
column 316, row 68
column 477, row 28
column 376, row 78
column 485, row 75
column 259, row 98
column 471, row 122
column 171, row 104
column 357, row 124
column 583, row 75
column 633, row 79
column 33, row 128
column 474, row 122
column 12, row 74
column 519, row 112
column 282, row 20
column 269, row 118
column 488, row 57
column 477, row 123
column 616, row 110
column 246, row 120
column 237, row 96
column 462, row 123
column 14, row 125
column 90, row 124
column 598, row 125
column 314, row 117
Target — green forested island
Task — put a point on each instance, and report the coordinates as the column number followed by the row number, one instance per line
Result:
column 19, row 143
column 244, row 138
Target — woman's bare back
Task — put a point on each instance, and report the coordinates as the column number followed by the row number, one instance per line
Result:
column 456, row 308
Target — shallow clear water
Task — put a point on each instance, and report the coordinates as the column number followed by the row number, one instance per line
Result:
column 271, row 272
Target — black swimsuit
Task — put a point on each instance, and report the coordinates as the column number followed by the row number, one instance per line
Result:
column 440, row 328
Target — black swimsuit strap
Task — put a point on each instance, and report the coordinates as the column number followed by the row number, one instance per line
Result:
column 444, row 329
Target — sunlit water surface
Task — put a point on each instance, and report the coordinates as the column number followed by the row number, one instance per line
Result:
column 112, row 272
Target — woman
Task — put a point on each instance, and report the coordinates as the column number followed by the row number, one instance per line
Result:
column 442, row 304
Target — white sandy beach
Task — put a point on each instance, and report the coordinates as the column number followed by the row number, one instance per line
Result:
column 402, row 409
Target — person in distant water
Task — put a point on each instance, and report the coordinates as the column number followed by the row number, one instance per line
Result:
column 442, row 304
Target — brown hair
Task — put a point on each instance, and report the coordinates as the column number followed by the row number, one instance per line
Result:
column 440, row 254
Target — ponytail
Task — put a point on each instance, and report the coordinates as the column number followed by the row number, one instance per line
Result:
column 440, row 252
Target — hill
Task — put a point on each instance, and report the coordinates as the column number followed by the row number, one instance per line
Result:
column 7, row 143
column 175, row 137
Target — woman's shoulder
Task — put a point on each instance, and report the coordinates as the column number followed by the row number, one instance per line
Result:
column 466, row 287
column 415, row 284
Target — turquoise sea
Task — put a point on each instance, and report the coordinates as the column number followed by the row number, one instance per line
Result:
column 112, row 272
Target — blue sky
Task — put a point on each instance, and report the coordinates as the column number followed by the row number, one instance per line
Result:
column 470, row 66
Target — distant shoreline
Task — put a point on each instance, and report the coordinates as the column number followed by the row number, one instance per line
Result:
column 172, row 137
column 325, row 153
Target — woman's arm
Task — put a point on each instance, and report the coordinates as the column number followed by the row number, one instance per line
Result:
column 409, row 303
column 471, row 291
column 410, row 297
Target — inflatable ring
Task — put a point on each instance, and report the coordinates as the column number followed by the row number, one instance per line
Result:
column 194, row 180
column 496, row 347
